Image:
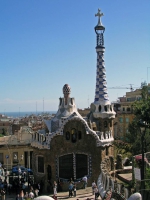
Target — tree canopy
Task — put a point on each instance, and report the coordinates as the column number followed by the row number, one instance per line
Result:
column 141, row 110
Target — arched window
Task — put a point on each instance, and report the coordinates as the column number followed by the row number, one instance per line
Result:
column 71, row 101
column 49, row 172
column 67, row 135
column 100, row 108
column 40, row 164
column 60, row 101
column 105, row 107
column 111, row 108
column 105, row 124
column 79, row 135
column 106, row 151
column 110, row 123
column 73, row 135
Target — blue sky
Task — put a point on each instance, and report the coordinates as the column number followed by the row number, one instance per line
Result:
column 45, row 44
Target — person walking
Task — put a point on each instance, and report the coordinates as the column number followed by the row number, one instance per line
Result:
column 84, row 179
column 93, row 186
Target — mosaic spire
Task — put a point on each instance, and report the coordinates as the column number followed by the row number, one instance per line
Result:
column 101, row 93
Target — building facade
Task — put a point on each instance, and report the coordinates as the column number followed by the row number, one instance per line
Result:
column 125, row 113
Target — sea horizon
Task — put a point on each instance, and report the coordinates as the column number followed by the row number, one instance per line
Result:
column 25, row 113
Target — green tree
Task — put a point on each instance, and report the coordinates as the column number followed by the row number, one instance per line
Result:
column 141, row 110
column 3, row 131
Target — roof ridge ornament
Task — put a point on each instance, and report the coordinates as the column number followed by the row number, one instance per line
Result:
column 99, row 15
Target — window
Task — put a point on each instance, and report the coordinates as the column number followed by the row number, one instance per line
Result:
column 127, row 120
column 15, row 157
column 128, row 109
column 1, row 158
column 79, row 135
column 105, row 107
column 73, row 166
column 73, row 135
column 106, row 151
column 49, row 172
column 111, row 108
column 100, row 108
column 111, row 123
column 105, row 124
column 40, row 164
column 123, row 109
column 67, row 135
column 60, row 99
column 120, row 120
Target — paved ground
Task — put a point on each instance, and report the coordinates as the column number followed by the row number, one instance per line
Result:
column 82, row 194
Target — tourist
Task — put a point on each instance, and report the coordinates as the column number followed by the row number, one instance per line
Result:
column 31, row 194
column 74, row 190
column 84, row 179
column 93, row 186
column 18, row 197
column 55, row 188
column 96, row 192
column 3, row 194
column 21, row 195
column 70, row 189
column 36, row 191
column 59, row 187
column 26, row 196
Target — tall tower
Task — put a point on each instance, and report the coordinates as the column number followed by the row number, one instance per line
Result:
column 101, row 108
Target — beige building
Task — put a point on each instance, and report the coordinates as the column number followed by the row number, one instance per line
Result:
column 15, row 149
column 125, row 113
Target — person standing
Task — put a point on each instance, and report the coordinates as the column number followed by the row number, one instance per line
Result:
column 74, row 190
column 21, row 195
column 17, row 197
column 70, row 189
column 55, row 188
column 3, row 194
column 93, row 186
column 36, row 192
column 31, row 194
column 96, row 192
column 84, row 179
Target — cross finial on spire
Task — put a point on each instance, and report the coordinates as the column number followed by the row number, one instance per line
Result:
column 99, row 15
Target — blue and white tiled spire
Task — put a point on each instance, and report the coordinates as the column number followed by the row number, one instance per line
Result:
column 101, row 93
column 101, row 108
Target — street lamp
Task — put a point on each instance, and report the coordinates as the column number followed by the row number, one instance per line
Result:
column 143, row 125
column 143, row 129
column 19, row 169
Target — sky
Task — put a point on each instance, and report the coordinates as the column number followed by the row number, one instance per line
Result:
column 45, row 44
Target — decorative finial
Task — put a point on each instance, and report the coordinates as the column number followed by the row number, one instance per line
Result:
column 99, row 15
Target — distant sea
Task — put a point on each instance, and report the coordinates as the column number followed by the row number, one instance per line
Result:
column 25, row 114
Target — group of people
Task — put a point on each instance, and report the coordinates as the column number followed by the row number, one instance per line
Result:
column 27, row 195
column 72, row 189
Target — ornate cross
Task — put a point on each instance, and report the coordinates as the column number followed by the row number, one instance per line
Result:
column 99, row 15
